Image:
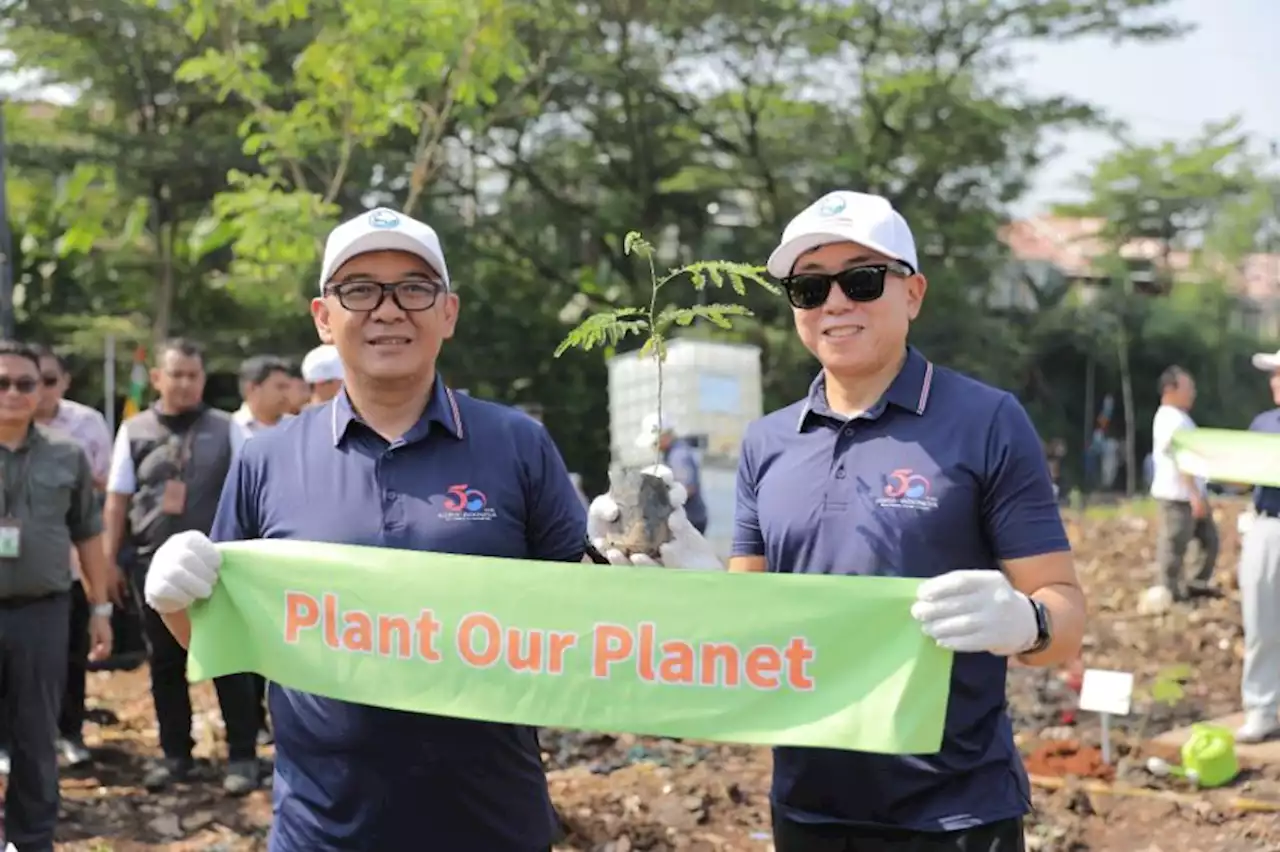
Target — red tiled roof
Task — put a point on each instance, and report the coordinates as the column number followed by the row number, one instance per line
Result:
column 1072, row 244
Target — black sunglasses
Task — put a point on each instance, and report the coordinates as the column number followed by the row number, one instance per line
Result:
column 368, row 296
column 23, row 385
column 49, row 381
column 860, row 284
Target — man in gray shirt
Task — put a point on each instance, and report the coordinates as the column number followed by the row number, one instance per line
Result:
column 167, row 471
column 47, row 506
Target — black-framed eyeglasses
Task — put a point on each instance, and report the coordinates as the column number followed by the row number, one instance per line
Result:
column 811, row 290
column 367, row 296
column 24, row 385
column 50, row 381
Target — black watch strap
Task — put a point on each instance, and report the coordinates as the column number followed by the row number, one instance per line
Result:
column 1044, row 628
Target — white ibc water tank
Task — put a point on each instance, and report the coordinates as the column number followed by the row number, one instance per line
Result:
column 711, row 391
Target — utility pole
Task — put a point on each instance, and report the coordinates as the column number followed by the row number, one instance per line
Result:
column 6, row 245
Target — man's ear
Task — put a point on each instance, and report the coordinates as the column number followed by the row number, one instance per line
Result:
column 451, row 307
column 320, row 313
column 916, row 286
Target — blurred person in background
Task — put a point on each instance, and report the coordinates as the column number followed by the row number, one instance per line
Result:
column 265, row 387
column 892, row 466
column 168, row 467
column 88, row 428
column 1183, row 499
column 48, row 505
column 322, row 371
column 1260, row 588
column 299, row 393
column 680, row 456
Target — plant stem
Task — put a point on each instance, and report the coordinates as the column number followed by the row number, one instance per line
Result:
column 657, row 351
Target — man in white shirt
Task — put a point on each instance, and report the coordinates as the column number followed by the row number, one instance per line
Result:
column 264, row 387
column 1183, row 500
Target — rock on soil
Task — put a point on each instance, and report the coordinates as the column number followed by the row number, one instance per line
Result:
column 618, row 794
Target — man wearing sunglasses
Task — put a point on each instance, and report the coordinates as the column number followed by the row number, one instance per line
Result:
column 87, row 427
column 397, row 459
column 894, row 466
column 48, row 505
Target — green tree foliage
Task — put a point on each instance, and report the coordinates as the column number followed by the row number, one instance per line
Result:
column 208, row 145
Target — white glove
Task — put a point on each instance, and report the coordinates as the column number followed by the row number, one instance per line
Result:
column 183, row 571
column 971, row 611
column 687, row 550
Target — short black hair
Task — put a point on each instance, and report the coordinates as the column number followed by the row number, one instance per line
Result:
column 183, row 346
column 256, row 370
column 295, row 370
column 20, row 350
column 1170, row 378
column 43, row 352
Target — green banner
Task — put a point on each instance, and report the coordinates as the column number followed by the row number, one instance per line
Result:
column 1228, row 455
column 751, row 658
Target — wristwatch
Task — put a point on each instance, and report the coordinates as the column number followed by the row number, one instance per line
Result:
column 1044, row 628
column 103, row 609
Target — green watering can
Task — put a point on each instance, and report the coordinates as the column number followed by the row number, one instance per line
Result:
column 1210, row 753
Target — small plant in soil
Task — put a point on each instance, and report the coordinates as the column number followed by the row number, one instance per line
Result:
column 643, row 500
column 1166, row 690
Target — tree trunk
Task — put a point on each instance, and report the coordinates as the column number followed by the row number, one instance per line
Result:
column 162, row 296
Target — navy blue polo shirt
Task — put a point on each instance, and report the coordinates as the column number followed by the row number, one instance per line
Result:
column 1266, row 499
column 349, row 776
column 683, row 462
column 943, row 474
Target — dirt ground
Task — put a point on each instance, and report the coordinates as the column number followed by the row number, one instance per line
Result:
column 627, row 793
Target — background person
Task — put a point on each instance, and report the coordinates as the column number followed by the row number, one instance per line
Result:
column 168, row 468
column 48, row 505
column 265, row 387
column 1260, row 588
column 1183, row 499
column 322, row 371
column 681, row 458
column 88, row 428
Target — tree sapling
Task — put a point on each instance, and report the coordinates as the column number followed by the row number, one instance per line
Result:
column 643, row 498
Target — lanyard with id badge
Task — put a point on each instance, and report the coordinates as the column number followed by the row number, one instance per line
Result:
column 13, row 493
column 173, row 500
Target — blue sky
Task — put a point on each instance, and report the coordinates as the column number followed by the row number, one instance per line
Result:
column 1229, row 65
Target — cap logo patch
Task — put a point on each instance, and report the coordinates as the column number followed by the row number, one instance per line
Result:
column 383, row 219
column 831, row 206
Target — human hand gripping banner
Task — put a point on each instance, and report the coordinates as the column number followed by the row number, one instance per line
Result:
column 1228, row 455
column 798, row 660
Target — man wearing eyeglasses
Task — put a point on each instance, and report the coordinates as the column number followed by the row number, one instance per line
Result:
column 894, row 466
column 48, row 505
column 397, row 459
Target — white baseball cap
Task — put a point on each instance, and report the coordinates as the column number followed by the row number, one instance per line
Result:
column 381, row 230
column 1267, row 361
column 322, row 364
column 651, row 428
column 839, row 217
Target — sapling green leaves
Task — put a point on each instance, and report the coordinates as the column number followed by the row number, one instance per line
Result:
column 654, row 323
